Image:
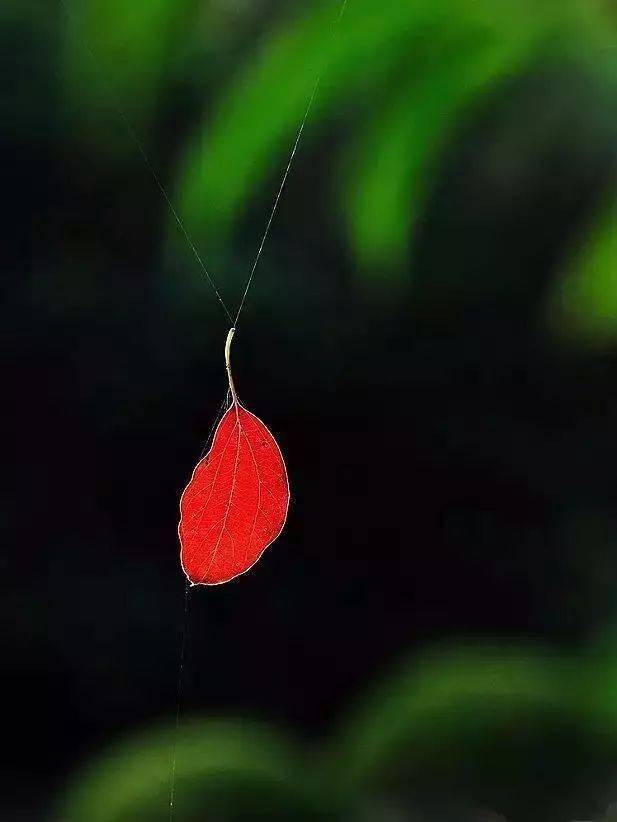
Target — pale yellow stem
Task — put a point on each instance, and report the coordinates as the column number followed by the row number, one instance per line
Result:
column 232, row 388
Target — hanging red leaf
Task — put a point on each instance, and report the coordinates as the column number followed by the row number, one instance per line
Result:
column 236, row 502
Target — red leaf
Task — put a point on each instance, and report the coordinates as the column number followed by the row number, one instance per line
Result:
column 236, row 502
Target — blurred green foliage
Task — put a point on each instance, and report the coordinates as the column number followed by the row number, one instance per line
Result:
column 126, row 52
column 407, row 74
column 231, row 770
column 525, row 731
column 583, row 304
column 480, row 725
column 400, row 81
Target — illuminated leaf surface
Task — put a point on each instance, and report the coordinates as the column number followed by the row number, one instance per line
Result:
column 236, row 502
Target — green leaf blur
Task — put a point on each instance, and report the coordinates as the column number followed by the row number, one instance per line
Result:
column 583, row 300
column 117, row 53
column 413, row 71
column 458, row 729
column 231, row 770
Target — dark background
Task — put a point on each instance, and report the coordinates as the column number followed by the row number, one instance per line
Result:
column 451, row 460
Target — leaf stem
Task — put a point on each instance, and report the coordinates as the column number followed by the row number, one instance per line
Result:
column 232, row 388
